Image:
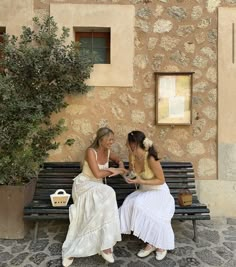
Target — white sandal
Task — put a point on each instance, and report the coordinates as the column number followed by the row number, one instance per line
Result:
column 67, row 262
column 160, row 255
column 107, row 256
column 145, row 252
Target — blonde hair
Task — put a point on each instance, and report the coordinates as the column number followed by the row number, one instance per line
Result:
column 101, row 132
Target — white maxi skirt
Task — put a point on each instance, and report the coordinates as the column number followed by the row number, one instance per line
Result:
column 94, row 219
column 147, row 213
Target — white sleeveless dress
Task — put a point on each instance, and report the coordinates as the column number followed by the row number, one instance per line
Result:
column 94, row 219
column 147, row 213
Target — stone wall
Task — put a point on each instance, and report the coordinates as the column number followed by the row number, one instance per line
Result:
column 170, row 36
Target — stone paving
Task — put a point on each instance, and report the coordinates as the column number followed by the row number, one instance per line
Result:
column 216, row 247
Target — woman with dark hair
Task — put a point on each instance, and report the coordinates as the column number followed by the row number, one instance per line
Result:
column 148, row 211
column 94, row 218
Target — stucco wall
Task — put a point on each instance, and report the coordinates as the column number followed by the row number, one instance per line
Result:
column 227, row 94
column 15, row 14
column 120, row 20
column 219, row 195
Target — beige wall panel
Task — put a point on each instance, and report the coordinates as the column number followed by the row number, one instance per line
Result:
column 120, row 18
column 227, row 75
column 219, row 197
column 227, row 162
column 15, row 14
column 227, row 94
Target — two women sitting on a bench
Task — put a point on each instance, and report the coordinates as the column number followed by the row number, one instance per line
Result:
column 96, row 224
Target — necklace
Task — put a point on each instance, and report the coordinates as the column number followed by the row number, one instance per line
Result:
column 139, row 158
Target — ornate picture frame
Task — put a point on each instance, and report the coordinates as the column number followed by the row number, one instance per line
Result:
column 173, row 98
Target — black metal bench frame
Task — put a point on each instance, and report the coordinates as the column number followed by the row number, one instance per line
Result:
column 56, row 175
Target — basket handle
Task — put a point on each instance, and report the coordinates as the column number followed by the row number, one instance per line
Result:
column 60, row 191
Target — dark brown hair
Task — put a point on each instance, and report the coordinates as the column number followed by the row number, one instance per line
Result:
column 137, row 137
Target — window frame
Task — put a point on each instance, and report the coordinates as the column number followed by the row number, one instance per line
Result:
column 96, row 33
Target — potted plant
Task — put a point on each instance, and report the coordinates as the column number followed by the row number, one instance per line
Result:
column 37, row 70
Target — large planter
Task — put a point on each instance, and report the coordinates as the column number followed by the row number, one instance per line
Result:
column 12, row 202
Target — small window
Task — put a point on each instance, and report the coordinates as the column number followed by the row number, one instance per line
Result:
column 96, row 41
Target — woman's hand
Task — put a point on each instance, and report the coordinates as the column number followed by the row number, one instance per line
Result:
column 116, row 171
column 137, row 180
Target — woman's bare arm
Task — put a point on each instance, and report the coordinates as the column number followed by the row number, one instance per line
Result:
column 116, row 159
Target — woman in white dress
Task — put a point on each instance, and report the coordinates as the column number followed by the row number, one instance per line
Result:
column 148, row 211
column 94, row 219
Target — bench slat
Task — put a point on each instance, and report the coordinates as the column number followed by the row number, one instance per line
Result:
column 63, row 164
column 191, row 217
column 35, row 217
column 66, row 217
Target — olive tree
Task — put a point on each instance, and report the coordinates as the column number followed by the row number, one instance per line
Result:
column 37, row 70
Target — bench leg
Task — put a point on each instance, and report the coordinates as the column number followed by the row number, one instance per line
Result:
column 195, row 238
column 36, row 227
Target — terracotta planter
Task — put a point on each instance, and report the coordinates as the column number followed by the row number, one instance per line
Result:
column 12, row 202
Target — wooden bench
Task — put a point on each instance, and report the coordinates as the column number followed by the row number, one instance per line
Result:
column 55, row 175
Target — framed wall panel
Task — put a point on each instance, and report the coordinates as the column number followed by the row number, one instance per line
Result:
column 173, row 98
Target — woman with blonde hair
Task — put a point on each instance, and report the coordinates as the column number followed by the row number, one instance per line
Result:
column 94, row 220
column 147, row 212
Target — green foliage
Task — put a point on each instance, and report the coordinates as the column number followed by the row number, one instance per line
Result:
column 39, row 69
column 70, row 141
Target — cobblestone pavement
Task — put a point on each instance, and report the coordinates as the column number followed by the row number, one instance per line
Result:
column 216, row 247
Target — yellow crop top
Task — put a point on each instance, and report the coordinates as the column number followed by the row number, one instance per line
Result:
column 147, row 173
column 86, row 169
